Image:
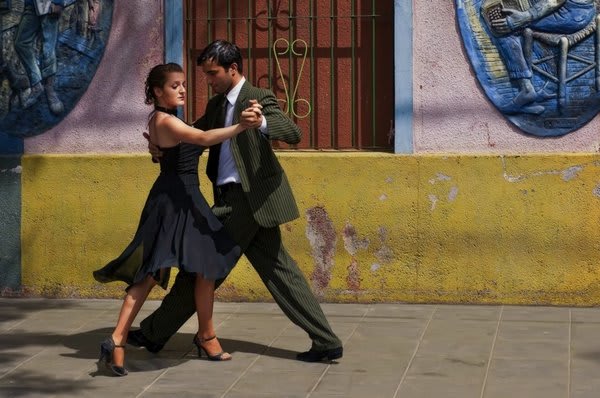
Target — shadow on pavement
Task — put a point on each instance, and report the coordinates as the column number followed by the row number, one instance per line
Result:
column 30, row 383
column 87, row 345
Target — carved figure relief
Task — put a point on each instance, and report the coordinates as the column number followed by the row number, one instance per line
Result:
column 537, row 60
column 49, row 52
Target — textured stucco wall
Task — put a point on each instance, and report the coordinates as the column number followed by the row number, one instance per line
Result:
column 111, row 115
column 479, row 229
column 451, row 112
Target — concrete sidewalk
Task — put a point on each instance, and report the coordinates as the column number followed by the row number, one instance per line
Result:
column 49, row 348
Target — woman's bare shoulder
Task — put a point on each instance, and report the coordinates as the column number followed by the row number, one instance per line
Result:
column 164, row 128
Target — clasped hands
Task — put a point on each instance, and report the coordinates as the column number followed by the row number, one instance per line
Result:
column 250, row 118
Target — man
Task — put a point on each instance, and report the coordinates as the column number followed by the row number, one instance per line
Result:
column 40, row 18
column 18, row 83
column 552, row 16
column 252, row 198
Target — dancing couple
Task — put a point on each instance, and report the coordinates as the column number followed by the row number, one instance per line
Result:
column 252, row 198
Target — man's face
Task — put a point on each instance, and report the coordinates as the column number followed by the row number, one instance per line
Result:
column 221, row 80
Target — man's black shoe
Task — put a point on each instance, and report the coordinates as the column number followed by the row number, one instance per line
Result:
column 313, row 355
column 137, row 339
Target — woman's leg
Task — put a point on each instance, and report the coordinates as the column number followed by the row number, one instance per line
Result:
column 135, row 297
column 204, row 295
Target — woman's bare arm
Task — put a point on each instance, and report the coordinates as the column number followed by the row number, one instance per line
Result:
column 180, row 131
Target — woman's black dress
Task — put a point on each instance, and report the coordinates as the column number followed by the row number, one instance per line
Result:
column 177, row 228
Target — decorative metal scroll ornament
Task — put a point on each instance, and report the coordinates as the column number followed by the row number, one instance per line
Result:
column 291, row 102
column 49, row 53
column 538, row 61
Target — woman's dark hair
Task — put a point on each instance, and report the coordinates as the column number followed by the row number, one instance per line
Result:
column 157, row 79
column 223, row 53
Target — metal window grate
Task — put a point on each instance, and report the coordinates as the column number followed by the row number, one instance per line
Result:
column 330, row 63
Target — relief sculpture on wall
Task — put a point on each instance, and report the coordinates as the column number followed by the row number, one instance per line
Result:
column 538, row 61
column 49, row 52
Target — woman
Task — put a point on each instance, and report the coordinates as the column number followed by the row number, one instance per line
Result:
column 177, row 226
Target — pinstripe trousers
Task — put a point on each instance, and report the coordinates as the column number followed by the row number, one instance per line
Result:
column 279, row 272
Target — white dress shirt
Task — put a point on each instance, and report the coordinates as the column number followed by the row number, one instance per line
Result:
column 227, row 169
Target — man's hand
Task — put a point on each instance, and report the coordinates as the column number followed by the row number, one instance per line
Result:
column 513, row 20
column 153, row 149
column 251, row 117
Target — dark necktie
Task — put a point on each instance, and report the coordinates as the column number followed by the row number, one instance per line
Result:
column 212, row 166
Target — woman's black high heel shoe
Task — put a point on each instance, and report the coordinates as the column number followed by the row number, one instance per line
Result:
column 107, row 347
column 221, row 356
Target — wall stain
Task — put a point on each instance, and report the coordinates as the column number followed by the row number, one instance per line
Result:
column 596, row 191
column 352, row 244
column 322, row 238
column 353, row 278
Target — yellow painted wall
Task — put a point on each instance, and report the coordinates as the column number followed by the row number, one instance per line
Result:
column 374, row 227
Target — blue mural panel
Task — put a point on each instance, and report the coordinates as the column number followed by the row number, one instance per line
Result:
column 50, row 50
column 536, row 60
column 10, row 144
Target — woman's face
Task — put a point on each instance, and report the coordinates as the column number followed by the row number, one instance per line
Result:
column 172, row 94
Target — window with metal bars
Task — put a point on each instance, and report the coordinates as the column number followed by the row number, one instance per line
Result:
column 329, row 62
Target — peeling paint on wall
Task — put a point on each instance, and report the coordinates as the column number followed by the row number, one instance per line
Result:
column 321, row 235
column 440, row 177
column 571, row 172
column 353, row 244
column 433, row 199
column 353, row 278
column 567, row 174
column 384, row 254
column 452, row 194
column 16, row 170
column 597, row 191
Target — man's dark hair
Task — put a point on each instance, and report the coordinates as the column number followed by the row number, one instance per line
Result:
column 223, row 53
